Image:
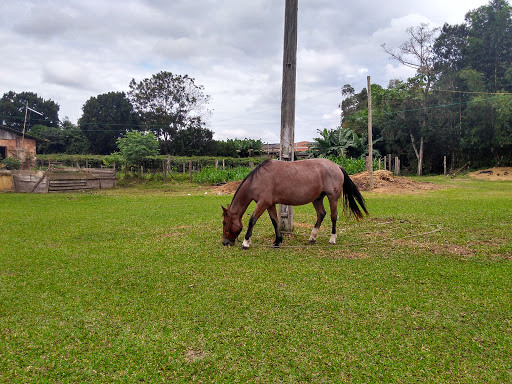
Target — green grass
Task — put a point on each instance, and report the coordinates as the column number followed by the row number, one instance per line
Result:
column 133, row 285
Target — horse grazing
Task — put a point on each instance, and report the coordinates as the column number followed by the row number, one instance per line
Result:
column 291, row 183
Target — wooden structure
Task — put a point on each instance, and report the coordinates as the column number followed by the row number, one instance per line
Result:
column 14, row 144
column 63, row 180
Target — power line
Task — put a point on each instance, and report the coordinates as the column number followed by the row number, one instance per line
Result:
column 496, row 95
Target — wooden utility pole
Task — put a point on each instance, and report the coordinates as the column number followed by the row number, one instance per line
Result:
column 370, row 135
column 288, row 100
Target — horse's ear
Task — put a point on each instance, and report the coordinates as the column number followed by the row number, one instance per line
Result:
column 225, row 210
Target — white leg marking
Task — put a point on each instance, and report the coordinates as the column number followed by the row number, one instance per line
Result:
column 333, row 239
column 314, row 234
column 246, row 244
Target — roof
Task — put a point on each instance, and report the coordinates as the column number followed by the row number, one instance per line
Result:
column 301, row 146
column 15, row 131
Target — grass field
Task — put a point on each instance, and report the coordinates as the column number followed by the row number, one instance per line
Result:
column 133, row 285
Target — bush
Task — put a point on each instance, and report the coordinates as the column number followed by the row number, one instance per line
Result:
column 353, row 166
column 11, row 163
column 211, row 175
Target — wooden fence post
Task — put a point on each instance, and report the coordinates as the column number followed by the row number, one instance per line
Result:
column 444, row 165
column 397, row 166
column 190, row 170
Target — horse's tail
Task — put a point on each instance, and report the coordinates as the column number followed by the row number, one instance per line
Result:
column 352, row 197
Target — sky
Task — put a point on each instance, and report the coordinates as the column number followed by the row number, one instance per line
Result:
column 71, row 50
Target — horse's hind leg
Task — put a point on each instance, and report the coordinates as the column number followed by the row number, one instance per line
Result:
column 318, row 203
column 273, row 217
column 334, row 217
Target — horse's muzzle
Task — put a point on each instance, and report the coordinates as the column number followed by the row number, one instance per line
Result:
column 226, row 241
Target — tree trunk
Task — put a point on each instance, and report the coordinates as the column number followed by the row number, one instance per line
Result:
column 419, row 154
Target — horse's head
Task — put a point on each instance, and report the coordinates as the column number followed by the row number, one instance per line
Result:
column 231, row 227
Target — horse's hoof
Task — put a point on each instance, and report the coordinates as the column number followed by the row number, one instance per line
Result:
column 246, row 244
column 312, row 241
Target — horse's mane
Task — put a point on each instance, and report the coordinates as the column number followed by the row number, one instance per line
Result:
column 251, row 175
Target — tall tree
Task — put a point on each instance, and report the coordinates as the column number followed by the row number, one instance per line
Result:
column 13, row 105
column 194, row 140
column 105, row 118
column 483, row 43
column 66, row 139
column 489, row 48
column 167, row 103
column 418, row 53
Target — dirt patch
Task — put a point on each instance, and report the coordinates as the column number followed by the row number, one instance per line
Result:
column 493, row 174
column 227, row 189
column 193, row 354
column 383, row 182
column 386, row 182
column 439, row 249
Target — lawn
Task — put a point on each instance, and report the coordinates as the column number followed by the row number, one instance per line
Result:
column 133, row 285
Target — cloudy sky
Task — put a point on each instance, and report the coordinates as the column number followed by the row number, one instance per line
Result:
column 71, row 50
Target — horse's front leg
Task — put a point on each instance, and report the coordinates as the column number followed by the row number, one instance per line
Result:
column 260, row 208
column 275, row 222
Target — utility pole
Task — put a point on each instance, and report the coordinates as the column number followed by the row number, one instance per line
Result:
column 288, row 100
column 370, row 136
column 25, row 122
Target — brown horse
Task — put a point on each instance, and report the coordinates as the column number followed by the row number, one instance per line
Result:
column 291, row 183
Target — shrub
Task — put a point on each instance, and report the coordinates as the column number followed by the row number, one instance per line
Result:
column 11, row 163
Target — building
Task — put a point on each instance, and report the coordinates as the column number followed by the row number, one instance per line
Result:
column 14, row 144
column 300, row 149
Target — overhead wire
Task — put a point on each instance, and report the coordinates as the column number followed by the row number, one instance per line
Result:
column 260, row 123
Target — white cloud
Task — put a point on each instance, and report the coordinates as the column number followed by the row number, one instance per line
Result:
column 69, row 51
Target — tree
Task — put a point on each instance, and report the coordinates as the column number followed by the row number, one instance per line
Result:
column 489, row 44
column 418, row 52
column 12, row 110
column 248, row 147
column 67, row 139
column 167, row 103
column 105, row 118
column 135, row 146
column 193, row 141
column 342, row 142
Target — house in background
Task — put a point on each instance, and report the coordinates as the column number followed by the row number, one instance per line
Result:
column 300, row 149
column 14, row 144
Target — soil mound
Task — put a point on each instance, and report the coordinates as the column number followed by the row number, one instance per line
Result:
column 383, row 182
column 386, row 182
column 226, row 189
column 493, row 174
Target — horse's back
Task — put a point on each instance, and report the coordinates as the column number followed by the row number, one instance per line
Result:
column 299, row 182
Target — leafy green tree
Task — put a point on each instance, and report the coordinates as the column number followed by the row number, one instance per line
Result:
column 67, row 139
column 341, row 142
column 167, row 103
column 482, row 43
column 194, row 140
column 135, row 146
column 247, row 147
column 418, row 53
column 105, row 118
column 224, row 148
column 13, row 105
